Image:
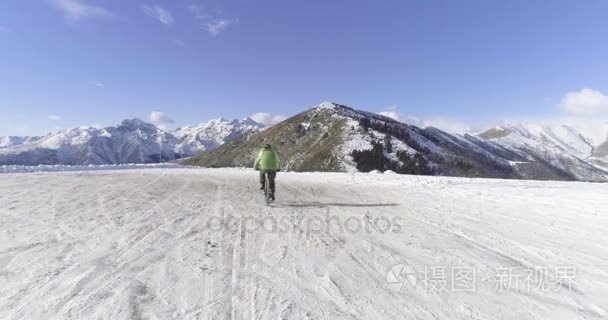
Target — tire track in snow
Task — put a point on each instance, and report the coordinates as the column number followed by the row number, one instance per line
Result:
column 132, row 266
column 343, row 297
column 244, row 255
column 290, row 284
column 148, row 230
column 199, row 214
column 208, row 286
column 235, row 249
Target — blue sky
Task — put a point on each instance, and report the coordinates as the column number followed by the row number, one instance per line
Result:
column 67, row 63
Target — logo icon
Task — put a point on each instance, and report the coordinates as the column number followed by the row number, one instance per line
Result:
column 401, row 278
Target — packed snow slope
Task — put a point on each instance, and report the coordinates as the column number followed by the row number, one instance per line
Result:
column 202, row 244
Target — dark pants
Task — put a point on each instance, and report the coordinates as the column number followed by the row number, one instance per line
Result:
column 272, row 174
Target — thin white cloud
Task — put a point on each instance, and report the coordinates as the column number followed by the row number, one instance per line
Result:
column 199, row 13
column 267, row 118
column 99, row 84
column 395, row 115
column 53, row 117
column 392, row 114
column 159, row 13
column 76, row 10
column 179, row 43
column 217, row 26
column 587, row 102
column 160, row 119
column 4, row 29
column 94, row 125
column 445, row 124
column 213, row 23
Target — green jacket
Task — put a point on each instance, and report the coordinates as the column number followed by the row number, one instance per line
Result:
column 267, row 160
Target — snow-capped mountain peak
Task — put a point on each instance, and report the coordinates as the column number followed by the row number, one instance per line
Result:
column 334, row 137
column 11, row 141
column 136, row 123
column 327, row 105
column 131, row 141
column 563, row 146
column 210, row 135
column 559, row 136
column 250, row 122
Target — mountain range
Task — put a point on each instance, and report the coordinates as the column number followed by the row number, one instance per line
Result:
column 131, row 141
column 332, row 137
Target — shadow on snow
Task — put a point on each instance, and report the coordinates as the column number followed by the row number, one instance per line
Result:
column 315, row 204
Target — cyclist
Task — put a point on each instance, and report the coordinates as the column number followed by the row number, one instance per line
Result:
column 267, row 162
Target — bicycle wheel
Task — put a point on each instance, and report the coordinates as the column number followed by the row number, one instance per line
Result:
column 267, row 188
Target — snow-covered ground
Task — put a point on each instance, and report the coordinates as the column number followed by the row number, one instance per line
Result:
column 90, row 167
column 149, row 244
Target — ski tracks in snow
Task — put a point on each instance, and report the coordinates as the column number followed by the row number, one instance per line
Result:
column 187, row 244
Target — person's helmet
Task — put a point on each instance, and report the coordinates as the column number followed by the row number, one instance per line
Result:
column 267, row 146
